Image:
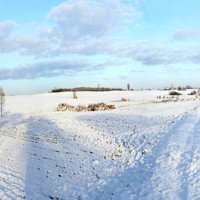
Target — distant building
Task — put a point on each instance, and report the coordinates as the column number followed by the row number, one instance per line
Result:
column 128, row 86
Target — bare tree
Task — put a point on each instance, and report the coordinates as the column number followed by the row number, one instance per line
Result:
column 2, row 100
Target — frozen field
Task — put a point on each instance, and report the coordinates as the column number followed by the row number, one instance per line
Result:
column 144, row 149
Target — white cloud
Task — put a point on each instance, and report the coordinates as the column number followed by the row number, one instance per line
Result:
column 158, row 54
column 6, row 30
column 10, row 42
column 87, row 27
column 77, row 20
column 78, row 26
column 53, row 69
column 187, row 34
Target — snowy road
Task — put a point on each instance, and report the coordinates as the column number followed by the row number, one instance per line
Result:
column 171, row 170
column 174, row 165
column 141, row 150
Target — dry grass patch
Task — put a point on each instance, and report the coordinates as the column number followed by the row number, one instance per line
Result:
column 90, row 107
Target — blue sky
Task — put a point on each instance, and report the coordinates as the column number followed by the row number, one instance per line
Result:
column 147, row 43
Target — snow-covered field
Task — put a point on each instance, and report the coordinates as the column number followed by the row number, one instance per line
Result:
column 144, row 149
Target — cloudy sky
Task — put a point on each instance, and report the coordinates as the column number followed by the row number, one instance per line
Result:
column 53, row 43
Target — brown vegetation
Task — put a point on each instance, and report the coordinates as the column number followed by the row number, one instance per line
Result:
column 90, row 107
column 124, row 100
column 193, row 92
column 174, row 93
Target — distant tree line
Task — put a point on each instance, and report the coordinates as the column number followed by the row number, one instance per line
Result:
column 80, row 89
column 179, row 88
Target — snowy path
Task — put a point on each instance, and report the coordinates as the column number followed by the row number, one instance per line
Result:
column 171, row 171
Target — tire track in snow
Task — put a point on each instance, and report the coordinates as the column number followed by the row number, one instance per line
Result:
column 11, row 179
column 159, row 175
column 162, row 175
column 189, row 166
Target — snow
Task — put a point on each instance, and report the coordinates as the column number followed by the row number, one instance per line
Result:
column 144, row 149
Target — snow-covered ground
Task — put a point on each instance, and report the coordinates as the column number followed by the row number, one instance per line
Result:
column 144, row 149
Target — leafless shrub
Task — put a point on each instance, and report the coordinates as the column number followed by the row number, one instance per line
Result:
column 64, row 107
column 91, row 107
column 99, row 106
column 194, row 92
column 80, row 109
column 2, row 100
column 124, row 100
column 174, row 93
